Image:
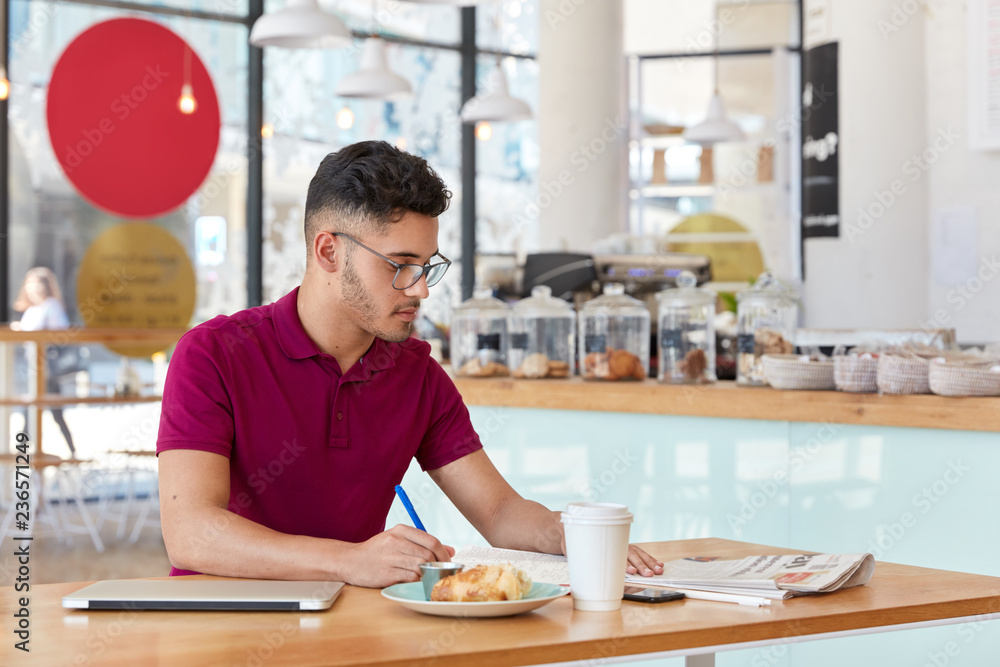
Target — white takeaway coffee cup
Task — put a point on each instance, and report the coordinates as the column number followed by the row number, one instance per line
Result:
column 597, row 551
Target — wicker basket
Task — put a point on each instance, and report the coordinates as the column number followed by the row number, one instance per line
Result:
column 902, row 373
column 793, row 371
column 965, row 379
column 856, row 373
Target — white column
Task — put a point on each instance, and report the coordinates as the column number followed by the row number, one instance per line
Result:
column 875, row 274
column 582, row 123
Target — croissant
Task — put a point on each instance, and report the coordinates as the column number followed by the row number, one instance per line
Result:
column 483, row 583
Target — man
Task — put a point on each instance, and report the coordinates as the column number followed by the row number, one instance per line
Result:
column 285, row 427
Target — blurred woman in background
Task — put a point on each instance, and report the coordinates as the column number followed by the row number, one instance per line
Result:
column 40, row 302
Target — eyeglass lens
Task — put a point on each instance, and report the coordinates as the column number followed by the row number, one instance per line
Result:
column 409, row 274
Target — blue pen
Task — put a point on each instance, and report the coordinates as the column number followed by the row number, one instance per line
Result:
column 409, row 508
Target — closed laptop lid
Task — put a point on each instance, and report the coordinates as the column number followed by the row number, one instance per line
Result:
column 209, row 595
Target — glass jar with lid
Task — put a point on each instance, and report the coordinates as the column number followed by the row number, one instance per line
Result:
column 541, row 336
column 479, row 336
column 766, row 318
column 686, row 332
column 614, row 336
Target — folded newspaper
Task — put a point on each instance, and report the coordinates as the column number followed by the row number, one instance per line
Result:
column 774, row 577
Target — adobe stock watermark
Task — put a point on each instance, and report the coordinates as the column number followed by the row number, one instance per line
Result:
column 497, row 417
column 637, row 618
column 270, row 643
column 563, row 12
column 597, row 486
column 960, row 295
column 120, row 109
column 888, row 535
column 236, row 164
column 707, row 38
column 790, row 122
column 899, row 16
column 101, row 640
column 260, row 481
column 768, row 489
column 966, row 634
column 41, row 14
column 581, row 159
column 913, row 169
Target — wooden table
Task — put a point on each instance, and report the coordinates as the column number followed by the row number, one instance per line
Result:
column 364, row 628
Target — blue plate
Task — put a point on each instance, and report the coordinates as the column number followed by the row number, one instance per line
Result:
column 412, row 597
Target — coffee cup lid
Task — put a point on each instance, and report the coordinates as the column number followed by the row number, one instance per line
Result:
column 596, row 510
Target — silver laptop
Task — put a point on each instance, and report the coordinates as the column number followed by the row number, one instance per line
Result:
column 233, row 594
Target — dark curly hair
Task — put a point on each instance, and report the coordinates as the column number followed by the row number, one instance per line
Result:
column 365, row 187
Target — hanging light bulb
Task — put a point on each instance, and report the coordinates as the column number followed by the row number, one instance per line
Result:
column 401, row 143
column 345, row 118
column 266, row 131
column 716, row 127
column 187, row 103
column 484, row 131
column 4, row 82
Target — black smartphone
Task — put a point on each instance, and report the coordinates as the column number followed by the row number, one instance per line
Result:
column 641, row 594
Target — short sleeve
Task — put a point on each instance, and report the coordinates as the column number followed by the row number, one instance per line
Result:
column 197, row 411
column 55, row 315
column 450, row 435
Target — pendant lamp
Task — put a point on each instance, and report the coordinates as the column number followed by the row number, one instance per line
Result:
column 496, row 105
column 716, row 127
column 301, row 24
column 374, row 79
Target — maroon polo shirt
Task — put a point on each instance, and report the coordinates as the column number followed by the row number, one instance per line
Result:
column 312, row 451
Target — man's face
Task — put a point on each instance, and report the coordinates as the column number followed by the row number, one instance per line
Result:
column 366, row 284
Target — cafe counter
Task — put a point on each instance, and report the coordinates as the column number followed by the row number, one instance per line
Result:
column 733, row 401
column 911, row 479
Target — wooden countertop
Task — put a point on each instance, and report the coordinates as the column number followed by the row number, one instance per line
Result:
column 363, row 628
column 727, row 399
column 77, row 335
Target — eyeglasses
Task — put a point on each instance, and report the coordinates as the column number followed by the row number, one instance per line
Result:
column 407, row 275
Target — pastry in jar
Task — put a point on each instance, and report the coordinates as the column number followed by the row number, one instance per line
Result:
column 534, row 366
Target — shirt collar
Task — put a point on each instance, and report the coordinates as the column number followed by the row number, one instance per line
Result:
column 292, row 336
column 297, row 344
column 379, row 357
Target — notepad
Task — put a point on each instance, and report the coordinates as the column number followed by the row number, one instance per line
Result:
column 211, row 595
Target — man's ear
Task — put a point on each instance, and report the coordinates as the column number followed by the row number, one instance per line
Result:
column 326, row 252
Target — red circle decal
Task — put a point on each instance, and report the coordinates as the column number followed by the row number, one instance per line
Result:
column 115, row 123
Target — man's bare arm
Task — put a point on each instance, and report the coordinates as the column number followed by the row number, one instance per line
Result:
column 202, row 535
column 506, row 519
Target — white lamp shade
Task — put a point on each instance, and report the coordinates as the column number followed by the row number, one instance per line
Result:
column 300, row 25
column 496, row 106
column 716, row 128
column 374, row 79
column 453, row 3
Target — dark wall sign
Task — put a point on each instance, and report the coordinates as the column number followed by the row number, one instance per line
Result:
column 820, row 144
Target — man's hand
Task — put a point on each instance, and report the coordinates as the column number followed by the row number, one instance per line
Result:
column 393, row 557
column 641, row 563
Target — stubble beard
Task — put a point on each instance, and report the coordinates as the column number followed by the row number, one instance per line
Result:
column 364, row 304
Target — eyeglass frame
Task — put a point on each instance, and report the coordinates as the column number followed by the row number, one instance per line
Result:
column 424, row 268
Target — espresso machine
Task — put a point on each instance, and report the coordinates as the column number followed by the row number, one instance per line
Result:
column 577, row 278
